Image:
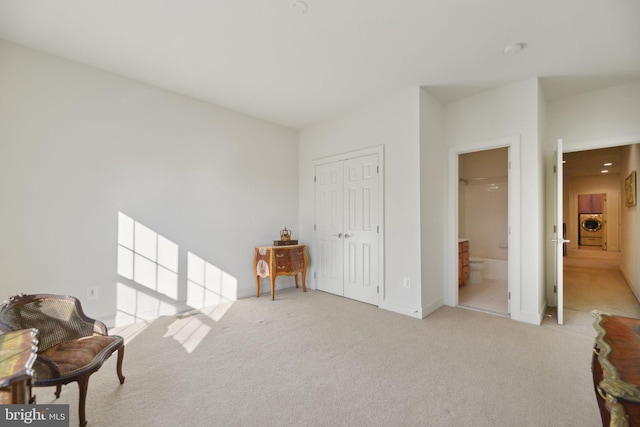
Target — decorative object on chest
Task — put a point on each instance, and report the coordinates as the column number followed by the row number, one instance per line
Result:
column 273, row 261
column 285, row 238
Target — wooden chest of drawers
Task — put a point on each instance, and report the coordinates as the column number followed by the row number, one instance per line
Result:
column 615, row 368
column 18, row 352
column 273, row 261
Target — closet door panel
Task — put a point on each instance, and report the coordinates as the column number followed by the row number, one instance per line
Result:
column 329, row 225
column 361, row 233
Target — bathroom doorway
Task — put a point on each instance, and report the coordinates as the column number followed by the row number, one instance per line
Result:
column 483, row 230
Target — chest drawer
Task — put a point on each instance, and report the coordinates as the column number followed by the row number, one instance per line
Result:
column 282, row 259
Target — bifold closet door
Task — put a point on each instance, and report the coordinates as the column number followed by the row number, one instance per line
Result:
column 347, row 228
column 328, row 227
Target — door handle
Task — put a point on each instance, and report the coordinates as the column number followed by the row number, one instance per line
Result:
column 339, row 235
column 560, row 240
column 346, row 236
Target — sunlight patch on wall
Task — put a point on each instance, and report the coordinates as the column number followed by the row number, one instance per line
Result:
column 150, row 260
column 208, row 285
column 150, row 285
column 147, row 257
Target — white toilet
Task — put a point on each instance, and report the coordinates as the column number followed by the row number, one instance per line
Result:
column 475, row 269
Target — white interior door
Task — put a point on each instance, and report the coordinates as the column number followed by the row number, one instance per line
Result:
column 328, row 226
column 361, row 229
column 559, row 239
column 347, row 197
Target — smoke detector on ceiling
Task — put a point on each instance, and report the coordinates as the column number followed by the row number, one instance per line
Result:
column 300, row 7
column 514, row 49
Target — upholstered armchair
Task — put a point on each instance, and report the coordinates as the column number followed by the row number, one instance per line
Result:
column 71, row 345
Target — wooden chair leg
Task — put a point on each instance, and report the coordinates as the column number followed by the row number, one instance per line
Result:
column 119, row 365
column 83, row 384
column 58, row 390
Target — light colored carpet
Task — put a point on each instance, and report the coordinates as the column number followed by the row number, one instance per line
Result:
column 314, row 359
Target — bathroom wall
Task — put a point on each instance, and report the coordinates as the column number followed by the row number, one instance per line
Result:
column 483, row 203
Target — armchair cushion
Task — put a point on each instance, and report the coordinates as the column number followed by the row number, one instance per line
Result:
column 75, row 355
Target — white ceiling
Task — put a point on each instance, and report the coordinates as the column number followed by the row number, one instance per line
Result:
column 592, row 162
column 262, row 58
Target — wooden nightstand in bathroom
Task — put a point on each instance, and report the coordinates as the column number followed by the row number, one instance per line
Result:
column 463, row 262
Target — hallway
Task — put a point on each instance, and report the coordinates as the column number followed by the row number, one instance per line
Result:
column 587, row 289
column 592, row 281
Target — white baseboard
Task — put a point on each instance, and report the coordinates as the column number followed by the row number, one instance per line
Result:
column 430, row 308
column 408, row 311
column 532, row 318
column 630, row 283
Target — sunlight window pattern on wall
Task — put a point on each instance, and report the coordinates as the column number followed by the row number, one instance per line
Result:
column 150, row 263
column 146, row 257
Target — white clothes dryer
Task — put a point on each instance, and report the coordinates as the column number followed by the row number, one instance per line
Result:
column 591, row 229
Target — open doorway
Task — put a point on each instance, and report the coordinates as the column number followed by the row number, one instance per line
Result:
column 597, row 224
column 483, row 230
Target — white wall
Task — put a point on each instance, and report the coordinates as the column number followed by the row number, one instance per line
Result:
column 79, row 145
column 508, row 111
column 433, row 202
column 394, row 123
column 604, row 118
column 483, row 202
column 630, row 218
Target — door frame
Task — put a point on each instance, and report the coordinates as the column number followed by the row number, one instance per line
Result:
column 558, row 238
column 379, row 150
column 585, row 145
column 513, row 261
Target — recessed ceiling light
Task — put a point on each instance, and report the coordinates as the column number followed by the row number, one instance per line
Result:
column 514, row 48
column 608, row 164
column 300, row 7
column 604, row 171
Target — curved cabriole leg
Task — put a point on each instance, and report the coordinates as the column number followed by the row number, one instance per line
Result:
column 119, row 365
column 58, row 390
column 83, row 384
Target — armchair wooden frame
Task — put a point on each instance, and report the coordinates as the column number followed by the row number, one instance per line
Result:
column 72, row 346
